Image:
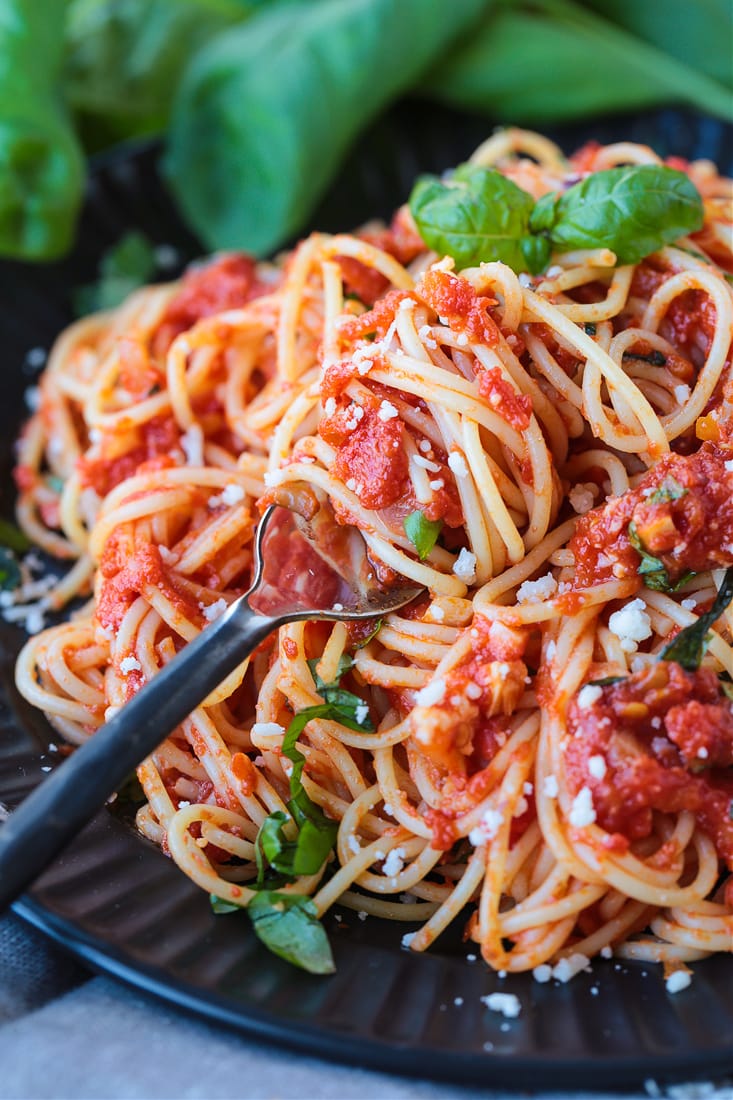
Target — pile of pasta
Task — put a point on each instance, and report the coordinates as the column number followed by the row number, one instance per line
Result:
column 535, row 765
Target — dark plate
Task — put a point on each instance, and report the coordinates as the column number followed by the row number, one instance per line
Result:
column 122, row 907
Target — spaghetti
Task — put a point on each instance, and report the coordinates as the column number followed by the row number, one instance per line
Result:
column 563, row 440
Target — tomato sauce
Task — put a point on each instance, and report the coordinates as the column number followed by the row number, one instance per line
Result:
column 455, row 301
column 124, row 578
column 515, row 408
column 373, row 454
column 400, row 240
column 665, row 736
column 226, row 282
column 693, row 532
column 155, row 438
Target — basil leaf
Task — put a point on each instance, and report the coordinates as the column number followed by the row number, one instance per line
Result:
column 670, row 489
column 345, row 664
column 12, row 537
column 477, row 215
column 633, row 210
column 422, row 533
column 655, row 358
column 9, row 570
column 652, row 569
column 287, row 924
column 373, row 633
column 221, row 905
column 123, row 268
column 688, row 648
column 606, row 681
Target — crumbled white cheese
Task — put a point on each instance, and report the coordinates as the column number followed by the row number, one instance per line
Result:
column 550, row 786
column 542, row 973
column 408, row 938
column 232, row 494
column 567, row 968
column 588, row 695
column 425, row 446
column 394, row 862
column 462, row 339
column 582, row 498
column 486, row 829
column 129, row 664
column 631, row 625
column 525, row 279
column 330, row 407
column 361, row 713
column 351, row 484
column 214, row 610
column 192, row 444
column 432, row 693
column 606, row 952
column 537, row 591
column 353, row 844
column 387, row 411
column 474, row 691
column 678, row 980
column 682, row 394
column 464, row 567
column 597, row 766
column 267, row 729
column 436, row 612
column 35, row 358
column 582, row 812
column 273, row 477
column 457, row 463
column 508, row 1004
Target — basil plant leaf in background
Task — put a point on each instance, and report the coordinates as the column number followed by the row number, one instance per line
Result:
column 41, row 161
column 268, row 109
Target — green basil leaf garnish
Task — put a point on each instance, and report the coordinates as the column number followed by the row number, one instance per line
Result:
column 288, row 925
column 372, row 634
column 653, row 569
column 688, row 648
column 221, row 905
column 12, row 537
column 670, row 489
column 422, row 533
column 655, row 358
column 477, row 215
column 606, row 681
column 345, row 664
column 9, row 570
column 633, row 210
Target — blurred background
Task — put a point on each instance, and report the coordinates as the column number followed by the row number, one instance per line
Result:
column 255, row 104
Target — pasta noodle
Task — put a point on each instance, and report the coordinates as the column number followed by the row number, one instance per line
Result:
column 535, row 757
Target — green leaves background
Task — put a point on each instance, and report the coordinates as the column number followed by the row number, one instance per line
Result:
column 259, row 100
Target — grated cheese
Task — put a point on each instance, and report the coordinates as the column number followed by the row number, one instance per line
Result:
column 582, row 812
column 631, row 625
column 508, row 1004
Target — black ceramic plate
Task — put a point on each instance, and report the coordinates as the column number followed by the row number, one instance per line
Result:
column 121, row 906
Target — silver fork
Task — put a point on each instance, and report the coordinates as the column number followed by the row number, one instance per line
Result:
column 332, row 581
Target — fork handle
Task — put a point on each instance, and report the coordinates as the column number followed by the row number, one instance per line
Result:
column 57, row 809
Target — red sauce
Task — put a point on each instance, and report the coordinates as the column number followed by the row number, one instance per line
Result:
column 155, row 438
column 138, row 374
column 124, row 578
column 693, row 532
column 513, row 407
column 455, row 300
column 227, row 282
column 372, row 454
column 25, row 478
column 376, row 321
column 400, row 240
column 666, row 736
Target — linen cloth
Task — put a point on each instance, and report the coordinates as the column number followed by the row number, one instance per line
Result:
column 67, row 1034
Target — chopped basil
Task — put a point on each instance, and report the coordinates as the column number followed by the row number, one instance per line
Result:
column 12, row 537
column 289, row 926
column 221, row 905
column 56, row 484
column 688, row 648
column 653, row 569
column 606, row 681
column 590, row 328
column 9, row 570
column 372, row 634
column 670, row 489
column 345, row 664
column 123, row 268
column 654, row 357
column 422, row 533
